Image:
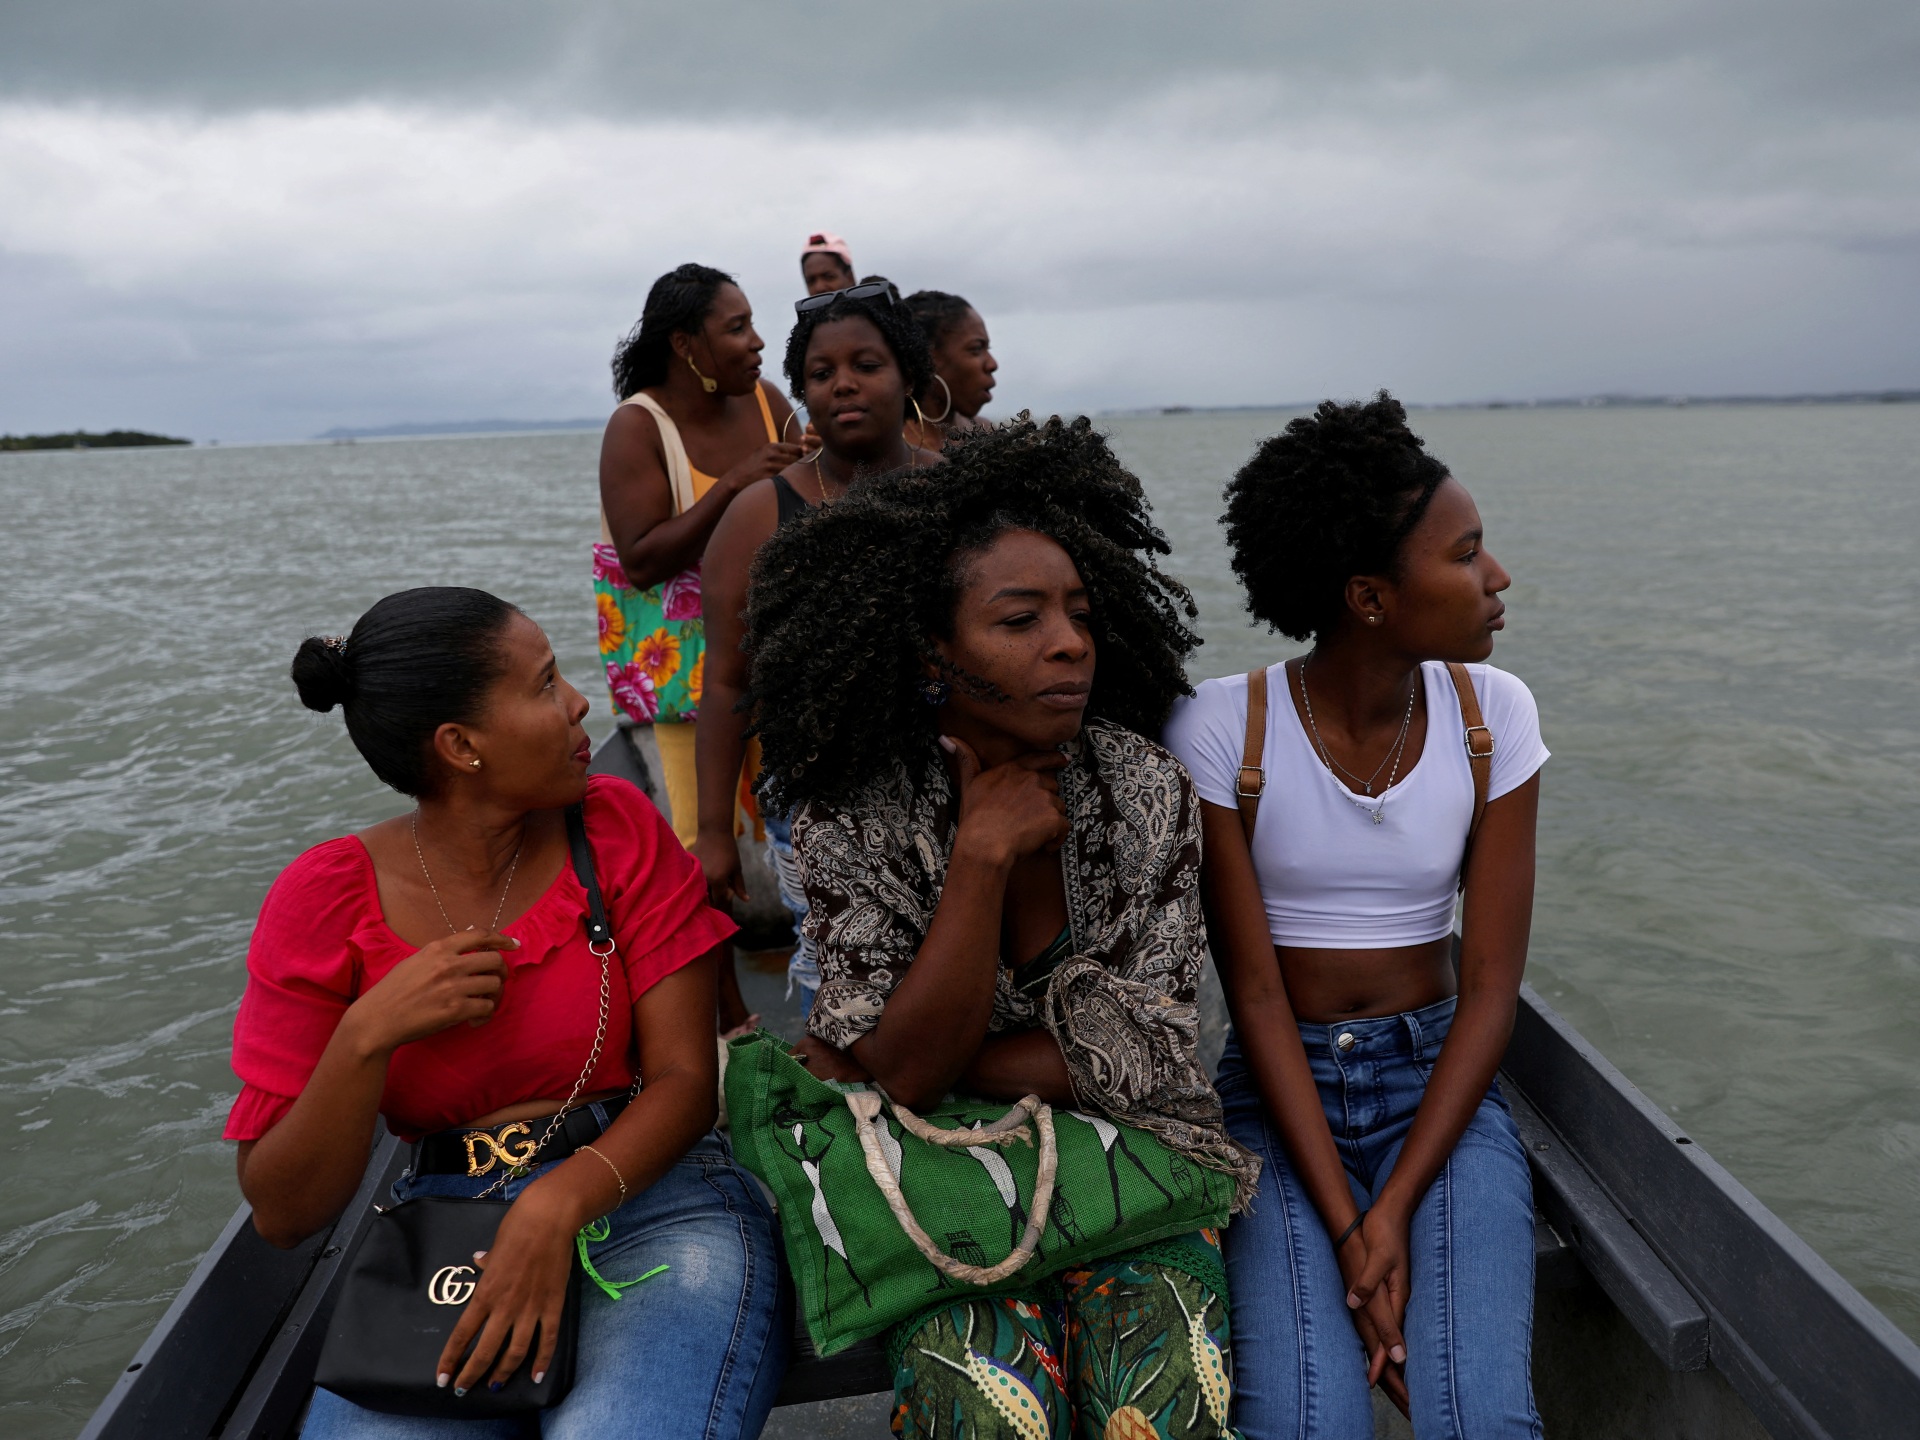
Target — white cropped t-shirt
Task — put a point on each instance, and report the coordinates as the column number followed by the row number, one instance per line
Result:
column 1331, row 878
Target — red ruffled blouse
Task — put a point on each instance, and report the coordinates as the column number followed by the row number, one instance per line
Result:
column 322, row 941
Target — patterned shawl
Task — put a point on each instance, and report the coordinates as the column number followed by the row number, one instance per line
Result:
column 1122, row 1005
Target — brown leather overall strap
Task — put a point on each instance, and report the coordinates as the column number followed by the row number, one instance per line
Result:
column 1479, row 742
column 1251, row 783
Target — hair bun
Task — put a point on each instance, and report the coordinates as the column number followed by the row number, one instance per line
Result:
column 322, row 673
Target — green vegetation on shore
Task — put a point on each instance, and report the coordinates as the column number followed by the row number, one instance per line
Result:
column 85, row 440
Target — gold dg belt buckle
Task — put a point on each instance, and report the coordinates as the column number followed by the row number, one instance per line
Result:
column 500, row 1148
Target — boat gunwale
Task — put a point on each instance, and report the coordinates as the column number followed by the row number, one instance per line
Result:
column 1734, row 1255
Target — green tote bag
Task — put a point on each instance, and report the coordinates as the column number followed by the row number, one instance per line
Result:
column 886, row 1214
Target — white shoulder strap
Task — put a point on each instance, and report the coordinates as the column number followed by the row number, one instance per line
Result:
column 679, row 469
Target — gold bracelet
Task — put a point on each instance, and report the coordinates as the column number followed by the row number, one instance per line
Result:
column 616, row 1174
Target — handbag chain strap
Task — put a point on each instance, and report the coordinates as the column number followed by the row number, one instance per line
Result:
column 599, row 933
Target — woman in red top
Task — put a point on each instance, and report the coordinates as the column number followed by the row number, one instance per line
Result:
column 434, row 970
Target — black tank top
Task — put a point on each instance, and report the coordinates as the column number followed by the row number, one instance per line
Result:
column 789, row 500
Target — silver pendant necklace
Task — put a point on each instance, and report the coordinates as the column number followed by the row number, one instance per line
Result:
column 498, row 910
column 1377, row 812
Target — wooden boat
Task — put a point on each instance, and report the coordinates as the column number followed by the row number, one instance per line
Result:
column 1670, row 1304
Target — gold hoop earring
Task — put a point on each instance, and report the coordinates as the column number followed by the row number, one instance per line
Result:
column 918, row 413
column 706, row 384
column 946, row 390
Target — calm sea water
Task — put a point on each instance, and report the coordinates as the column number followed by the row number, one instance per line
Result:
column 1717, row 609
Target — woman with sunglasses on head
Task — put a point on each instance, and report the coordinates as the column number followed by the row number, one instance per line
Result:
column 963, row 368
column 951, row 674
column 1392, row 1239
column 435, row 971
column 853, row 359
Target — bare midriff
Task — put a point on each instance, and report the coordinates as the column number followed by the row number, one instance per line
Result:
column 533, row 1109
column 1328, row 986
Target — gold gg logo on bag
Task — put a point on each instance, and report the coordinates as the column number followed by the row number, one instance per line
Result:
column 500, row 1148
column 447, row 1287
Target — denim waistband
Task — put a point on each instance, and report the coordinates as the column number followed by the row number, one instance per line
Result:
column 709, row 1150
column 1382, row 1037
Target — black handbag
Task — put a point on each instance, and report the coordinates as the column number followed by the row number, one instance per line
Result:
column 406, row 1291
column 412, row 1276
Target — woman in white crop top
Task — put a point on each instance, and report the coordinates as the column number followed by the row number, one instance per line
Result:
column 1392, row 1239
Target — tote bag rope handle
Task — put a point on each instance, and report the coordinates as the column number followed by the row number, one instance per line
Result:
column 1010, row 1126
column 865, row 1105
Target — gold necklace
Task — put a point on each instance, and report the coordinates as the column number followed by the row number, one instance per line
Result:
column 820, row 479
column 820, row 476
column 498, row 910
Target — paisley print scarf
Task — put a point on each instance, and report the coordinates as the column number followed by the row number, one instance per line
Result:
column 1121, row 1003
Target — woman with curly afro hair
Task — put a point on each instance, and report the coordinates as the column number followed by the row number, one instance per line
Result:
column 853, row 359
column 1392, row 1242
column 952, row 675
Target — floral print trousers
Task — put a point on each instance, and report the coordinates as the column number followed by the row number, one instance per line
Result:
column 1126, row 1350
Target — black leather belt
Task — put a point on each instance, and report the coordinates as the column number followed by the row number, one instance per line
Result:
column 475, row 1152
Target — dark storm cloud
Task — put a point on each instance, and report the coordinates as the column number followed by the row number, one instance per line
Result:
column 835, row 57
column 266, row 218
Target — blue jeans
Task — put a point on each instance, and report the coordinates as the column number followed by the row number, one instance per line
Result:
column 803, row 970
column 1299, row 1367
column 697, row 1351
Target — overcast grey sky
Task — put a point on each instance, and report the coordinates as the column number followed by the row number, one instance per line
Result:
column 245, row 221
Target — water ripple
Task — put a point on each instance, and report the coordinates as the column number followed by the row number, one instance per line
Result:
column 1726, row 847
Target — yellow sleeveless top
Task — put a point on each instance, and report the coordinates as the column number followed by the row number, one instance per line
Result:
column 703, row 482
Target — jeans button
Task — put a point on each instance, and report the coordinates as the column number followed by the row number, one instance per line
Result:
column 1344, row 1040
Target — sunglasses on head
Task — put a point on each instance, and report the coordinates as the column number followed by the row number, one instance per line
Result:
column 869, row 290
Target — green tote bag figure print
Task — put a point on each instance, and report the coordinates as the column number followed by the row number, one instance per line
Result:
column 886, row 1214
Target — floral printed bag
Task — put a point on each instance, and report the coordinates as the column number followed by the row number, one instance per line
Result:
column 653, row 641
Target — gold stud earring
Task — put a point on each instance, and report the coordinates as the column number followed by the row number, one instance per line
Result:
column 474, row 763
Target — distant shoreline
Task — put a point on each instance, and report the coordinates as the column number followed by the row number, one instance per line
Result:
column 471, row 429
column 88, row 440
column 418, row 429
column 1570, row 402
column 423, row 430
